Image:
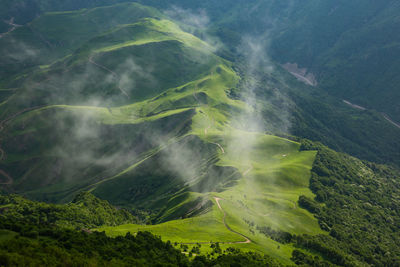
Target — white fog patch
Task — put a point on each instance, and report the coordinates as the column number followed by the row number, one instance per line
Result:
column 196, row 19
column 128, row 73
column 195, row 22
column 22, row 51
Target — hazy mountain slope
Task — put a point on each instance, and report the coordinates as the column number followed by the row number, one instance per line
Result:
column 314, row 114
column 122, row 102
column 287, row 32
column 356, row 205
column 53, row 149
column 37, row 44
column 24, row 11
column 321, row 36
column 160, row 148
column 354, row 54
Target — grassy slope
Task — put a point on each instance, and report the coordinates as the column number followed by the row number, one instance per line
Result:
column 267, row 195
column 32, row 125
column 274, row 172
column 43, row 45
column 351, row 52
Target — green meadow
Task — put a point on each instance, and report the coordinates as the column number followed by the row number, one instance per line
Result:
column 165, row 143
column 273, row 178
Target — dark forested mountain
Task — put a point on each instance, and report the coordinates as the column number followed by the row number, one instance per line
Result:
column 351, row 46
column 265, row 126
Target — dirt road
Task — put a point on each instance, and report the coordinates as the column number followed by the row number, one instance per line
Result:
column 390, row 120
column 246, row 241
column 353, row 105
column 211, row 119
column 385, row 116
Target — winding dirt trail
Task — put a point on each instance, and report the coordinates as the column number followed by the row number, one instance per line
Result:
column 217, row 199
column 247, row 240
column 211, row 119
column 112, row 73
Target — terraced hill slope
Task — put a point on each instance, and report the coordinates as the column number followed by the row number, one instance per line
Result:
column 141, row 113
column 121, row 102
column 273, row 178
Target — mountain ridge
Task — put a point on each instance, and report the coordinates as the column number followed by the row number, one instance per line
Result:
column 185, row 119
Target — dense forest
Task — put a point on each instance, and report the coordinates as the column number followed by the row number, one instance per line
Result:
column 85, row 211
column 40, row 234
column 357, row 204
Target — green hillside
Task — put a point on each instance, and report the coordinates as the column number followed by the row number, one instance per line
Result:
column 162, row 145
column 42, row 45
column 125, row 121
column 68, row 91
column 274, row 176
column 354, row 204
column 351, row 56
column 339, row 129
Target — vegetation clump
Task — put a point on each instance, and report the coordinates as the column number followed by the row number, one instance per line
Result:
column 84, row 212
column 357, row 202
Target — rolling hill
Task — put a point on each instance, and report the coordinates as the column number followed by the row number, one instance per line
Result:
column 140, row 115
column 199, row 140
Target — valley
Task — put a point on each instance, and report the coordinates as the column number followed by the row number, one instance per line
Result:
column 232, row 179
column 150, row 133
